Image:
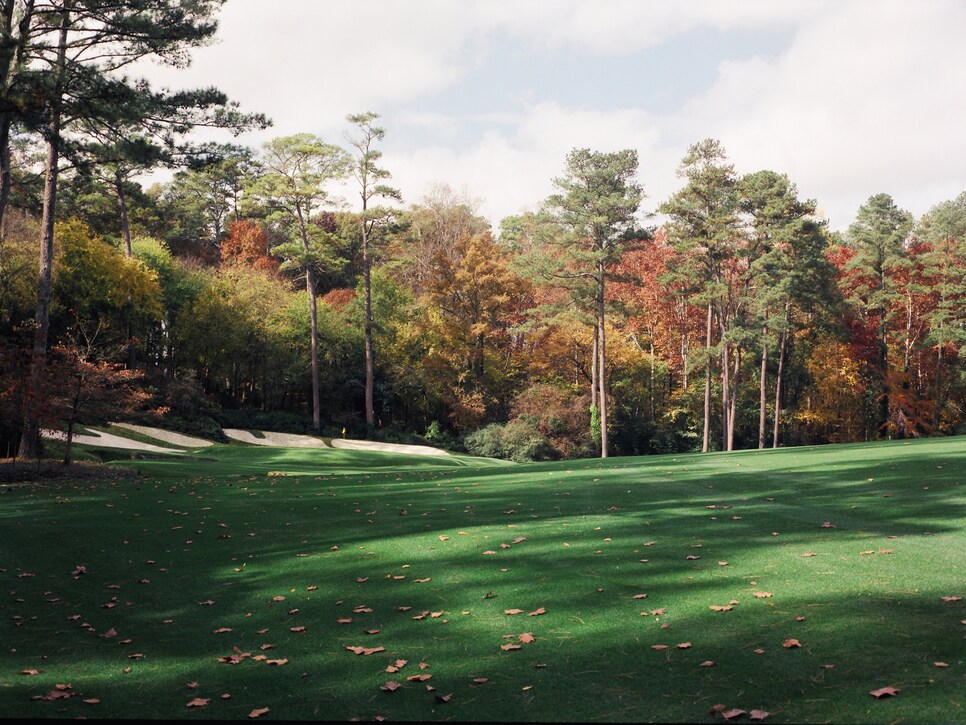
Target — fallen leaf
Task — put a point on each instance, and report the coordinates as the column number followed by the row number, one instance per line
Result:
column 222, row 630
column 487, row 553
column 527, row 638
column 884, row 692
column 422, row 581
column 639, row 596
column 692, row 556
column 258, row 712
column 481, row 680
column 940, row 664
column 684, row 645
column 296, row 629
column 707, row 663
column 276, row 662
column 537, row 612
column 509, row 646
column 198, row 702
column 513, row 611
column 419, row 678
column 390, row 686
column 828, row 525
column 91, row 701
column 30, row 672
column 192, row 685
column 659, row 646
column 344, row 620
column 809, row 553
column 758, row 714
column 791, row 644
column 800, row 618
column 762, row 595
column 827, row 667
column 951, row 599
column 733, row 713
column 278, row 598
column 721, row 608
column 444, row 698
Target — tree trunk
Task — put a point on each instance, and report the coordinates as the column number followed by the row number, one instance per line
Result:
column 706, row 438
column 370, row 359
column 733, row 400
column 30, row 445
column 778, row 384
column 12, row 48
column 314, row 334
column 762, row 394
column 601, row 368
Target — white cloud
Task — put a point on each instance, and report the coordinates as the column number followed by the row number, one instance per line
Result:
column 867, row 97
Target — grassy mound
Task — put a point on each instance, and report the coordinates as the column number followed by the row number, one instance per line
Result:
column 792, row 582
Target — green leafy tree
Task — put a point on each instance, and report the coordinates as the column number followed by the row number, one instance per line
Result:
column 878, row 237
column 293, row 185
column 374, row 224
column 598, row 203
column 703, row 231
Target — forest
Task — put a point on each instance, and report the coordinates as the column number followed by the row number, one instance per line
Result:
column 291, row 287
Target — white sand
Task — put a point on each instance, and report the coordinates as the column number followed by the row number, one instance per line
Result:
column 108, row 440
column 166, row 435
column 393, row 447
column 278, row 440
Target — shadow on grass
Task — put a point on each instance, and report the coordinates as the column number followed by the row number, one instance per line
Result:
column 168, row 562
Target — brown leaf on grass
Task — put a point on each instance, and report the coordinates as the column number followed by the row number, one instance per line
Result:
column 639, row 596
column 828, row 525
column 940, row 664
column 198, row 702
column 258, row 712
column 278, row 598
column 91, row 701
column 390, row 686
column 684, row 645
column 519, row 540
column 489, row 552
column 884, row 692
column 809, row 553
column 762, row 595
column 419, row 678
column 759, row 651
column 372, row 631
column 733, row 713
column 422, row 581
column 537, row 612
column 509, row 646
column 951, row 599
column 278, row 663
column 359, row 580
column 30, row 672
column 659, row 646
column 297, row 629
column 444, row 698
column 222, row 630
column 707, row 663
column 800, row 618
column 721, row 608
column 658, row 612
column 791, row 644
column 344, row 620
column 423, row 665
column 758, row 714
column 715, row 709
column 207, row 603
column 827, row 667
column 692, row 556
column 362, row 610
column 527, row 638
column 192, row 685
column 513, row 611
column 78, row 570
column 481, row 680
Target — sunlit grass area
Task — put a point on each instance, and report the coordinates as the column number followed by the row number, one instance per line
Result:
column 791, row 582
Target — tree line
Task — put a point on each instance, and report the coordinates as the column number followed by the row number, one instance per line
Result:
column 248, row 292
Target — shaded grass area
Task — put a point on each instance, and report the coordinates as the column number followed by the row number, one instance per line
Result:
column 424, row 555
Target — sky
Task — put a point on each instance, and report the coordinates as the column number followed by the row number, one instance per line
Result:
column 849, row 98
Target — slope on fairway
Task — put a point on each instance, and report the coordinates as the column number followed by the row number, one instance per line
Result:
column 793, row 582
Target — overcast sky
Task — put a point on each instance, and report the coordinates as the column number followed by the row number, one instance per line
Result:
column 849, row 98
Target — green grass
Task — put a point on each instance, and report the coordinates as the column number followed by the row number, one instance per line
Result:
column 332, row 534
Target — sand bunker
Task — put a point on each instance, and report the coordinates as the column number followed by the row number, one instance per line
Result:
column 392, row 447
column 278, row 440
column 108, row 440
column 166, row 435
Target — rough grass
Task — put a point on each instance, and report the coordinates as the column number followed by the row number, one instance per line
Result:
column 350, row 535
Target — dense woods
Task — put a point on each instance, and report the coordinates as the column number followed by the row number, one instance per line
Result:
column 248, row 291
